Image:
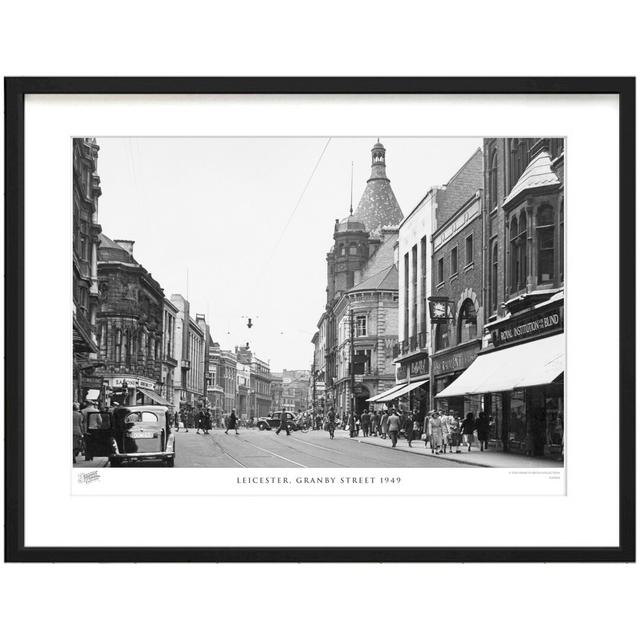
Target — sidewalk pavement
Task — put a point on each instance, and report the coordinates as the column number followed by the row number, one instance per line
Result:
column 475, row 457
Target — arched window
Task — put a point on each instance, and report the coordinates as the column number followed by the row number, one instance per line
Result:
column 545, row 242
column 493, row 180
column 353, row 249
column 467, row 322
column 493, row 284
column 442, row 336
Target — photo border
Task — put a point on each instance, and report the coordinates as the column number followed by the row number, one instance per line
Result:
column 15, row 91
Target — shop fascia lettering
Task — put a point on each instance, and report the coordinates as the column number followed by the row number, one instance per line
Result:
column 132, row 382
column 547, row 323
column 415, row 368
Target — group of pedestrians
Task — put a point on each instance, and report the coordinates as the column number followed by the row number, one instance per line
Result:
column 442, row 428
column 446, row 429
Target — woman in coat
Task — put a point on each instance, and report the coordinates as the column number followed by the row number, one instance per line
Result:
column 482, row 428
column 384, row 424
column 468, row 426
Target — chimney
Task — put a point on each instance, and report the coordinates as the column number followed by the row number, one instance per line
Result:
column 127, row 245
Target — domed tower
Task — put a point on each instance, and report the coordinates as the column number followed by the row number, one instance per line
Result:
column 349, row 254
column 378, row 206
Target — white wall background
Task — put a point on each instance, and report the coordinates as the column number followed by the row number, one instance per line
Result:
column 403, row 38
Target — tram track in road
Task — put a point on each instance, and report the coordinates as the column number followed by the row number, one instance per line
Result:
column 272, row 453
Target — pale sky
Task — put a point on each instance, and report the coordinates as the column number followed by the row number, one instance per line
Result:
column 223, row 209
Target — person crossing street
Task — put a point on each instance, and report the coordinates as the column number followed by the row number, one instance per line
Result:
column 283, row 423
column 233, row 422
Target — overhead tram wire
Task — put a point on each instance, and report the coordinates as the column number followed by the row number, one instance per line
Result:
column 271, row 253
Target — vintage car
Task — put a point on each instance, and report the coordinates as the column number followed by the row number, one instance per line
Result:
column 272, row 421
column 130, row 434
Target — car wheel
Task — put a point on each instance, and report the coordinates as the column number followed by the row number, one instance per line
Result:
column 115, row 462
column 261, row 427
column 170, row 462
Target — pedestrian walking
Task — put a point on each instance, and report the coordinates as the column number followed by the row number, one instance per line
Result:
column 283, row 423
column 408, row 427
column 200, row 421
column 384, row 424
column 207, row 422
column 351, row 421
column 468, row 426
column 331, row 423
column 482, row 429
column 454, row 432
column 233, row 422
column 375, row 423
column 394, row 428
column 365, row 423
column 435, row 432
column 78, row 431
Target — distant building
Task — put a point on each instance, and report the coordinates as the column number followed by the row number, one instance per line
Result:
column 213, row 379
column 290, row 390
column 87, row 378
column 169, row 359
column 259, row 399
column 190, row 347
column 276, row 390
column 130, row 323
column 228, row 380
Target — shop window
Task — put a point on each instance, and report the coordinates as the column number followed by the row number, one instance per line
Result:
column 440, row 270
column 467, row 322
column 518, row 419
column 454, row 261
column 442, row 336
column 545, row 241
column 493, row 180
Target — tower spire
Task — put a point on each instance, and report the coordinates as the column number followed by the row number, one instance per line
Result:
column 351, row 203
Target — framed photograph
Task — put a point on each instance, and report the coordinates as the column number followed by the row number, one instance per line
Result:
column 320, row 319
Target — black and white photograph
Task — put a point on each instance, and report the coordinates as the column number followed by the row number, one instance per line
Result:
column 318, row 302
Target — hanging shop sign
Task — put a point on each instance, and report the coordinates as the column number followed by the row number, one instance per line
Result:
column 530, row 326
column 441, row 310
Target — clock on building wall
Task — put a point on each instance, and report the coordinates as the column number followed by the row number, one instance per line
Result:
column 440, row 310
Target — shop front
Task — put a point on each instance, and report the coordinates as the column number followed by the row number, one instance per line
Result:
column 446, row 367
column 519, row 381
column 414, row 371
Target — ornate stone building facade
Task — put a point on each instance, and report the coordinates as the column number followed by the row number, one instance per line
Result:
column 130, row 325
column 361, row 277
column 86, row 232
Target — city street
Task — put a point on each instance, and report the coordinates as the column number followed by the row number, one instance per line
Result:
column 265, row 449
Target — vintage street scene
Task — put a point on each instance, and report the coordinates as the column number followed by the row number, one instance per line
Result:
column 318, row 302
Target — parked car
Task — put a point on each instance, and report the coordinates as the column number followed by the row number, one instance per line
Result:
column 130, row 434
column 272, row 421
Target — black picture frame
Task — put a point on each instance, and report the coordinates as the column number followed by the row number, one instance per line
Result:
column 15, row 91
